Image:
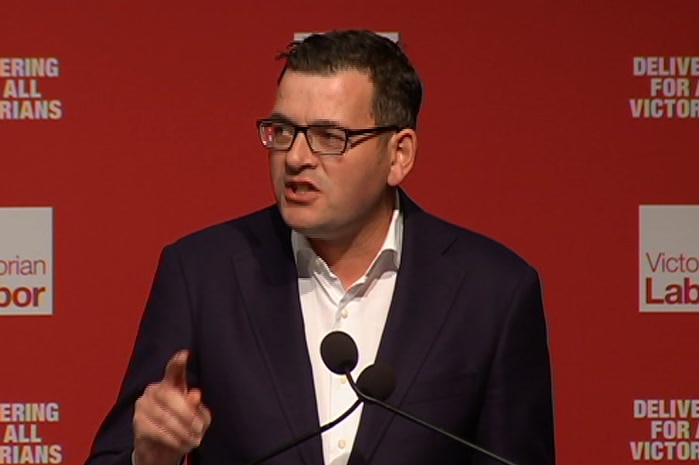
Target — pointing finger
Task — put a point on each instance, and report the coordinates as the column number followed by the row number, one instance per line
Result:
column 176, row 371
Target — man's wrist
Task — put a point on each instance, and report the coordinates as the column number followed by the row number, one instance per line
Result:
column 133, row 459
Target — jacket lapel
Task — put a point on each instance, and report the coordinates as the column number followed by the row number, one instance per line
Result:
column 269, row 284
column 425, row 287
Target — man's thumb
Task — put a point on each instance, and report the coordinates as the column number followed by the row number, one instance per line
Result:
column 176, row 370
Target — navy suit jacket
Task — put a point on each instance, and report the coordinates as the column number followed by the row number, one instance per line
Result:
column 465, row 335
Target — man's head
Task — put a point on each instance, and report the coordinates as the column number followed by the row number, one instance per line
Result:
column 341, row 133
column 397, row 87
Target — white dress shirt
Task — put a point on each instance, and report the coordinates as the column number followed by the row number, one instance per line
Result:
column 360, row 311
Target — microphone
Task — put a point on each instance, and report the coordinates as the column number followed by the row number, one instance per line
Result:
column 338, row 351
column 377, row 382
column 340, row 354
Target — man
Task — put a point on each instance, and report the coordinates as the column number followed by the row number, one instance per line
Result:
column 237, row 311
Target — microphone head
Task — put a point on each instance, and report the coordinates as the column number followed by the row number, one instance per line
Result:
column 377, row 381
column 339, row 352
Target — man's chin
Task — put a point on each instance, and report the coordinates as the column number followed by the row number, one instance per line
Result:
column 301, row 222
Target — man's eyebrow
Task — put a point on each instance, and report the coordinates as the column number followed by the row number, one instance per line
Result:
column 328, row 123
column 281, row 118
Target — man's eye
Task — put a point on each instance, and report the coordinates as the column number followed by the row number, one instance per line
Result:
column 330, row 134
column 282, row 130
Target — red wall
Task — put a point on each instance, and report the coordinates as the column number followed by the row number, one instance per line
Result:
column 526, row 135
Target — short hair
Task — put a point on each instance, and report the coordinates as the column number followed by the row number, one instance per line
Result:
column 397, row 87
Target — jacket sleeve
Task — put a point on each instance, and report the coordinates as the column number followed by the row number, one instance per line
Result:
column 165, row 328
column 516, row 419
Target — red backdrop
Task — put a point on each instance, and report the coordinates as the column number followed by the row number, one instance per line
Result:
column 527, row 134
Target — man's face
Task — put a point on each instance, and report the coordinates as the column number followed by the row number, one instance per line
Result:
column 329, row 197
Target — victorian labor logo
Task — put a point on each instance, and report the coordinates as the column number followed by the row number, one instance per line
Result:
column 26, row 261
column 669, row 258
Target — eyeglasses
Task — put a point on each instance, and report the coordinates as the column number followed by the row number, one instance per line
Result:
column 322, row 140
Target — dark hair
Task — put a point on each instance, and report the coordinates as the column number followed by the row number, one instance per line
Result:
column 397, row 87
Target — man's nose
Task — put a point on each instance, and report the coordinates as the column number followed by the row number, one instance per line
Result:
column 300, row 154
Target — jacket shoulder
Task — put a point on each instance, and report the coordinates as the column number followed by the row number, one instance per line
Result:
column 477, row 250
column 231, row 234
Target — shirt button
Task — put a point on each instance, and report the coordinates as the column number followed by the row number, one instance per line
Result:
column 343, row 380
column 341, row 443
column 344, row 313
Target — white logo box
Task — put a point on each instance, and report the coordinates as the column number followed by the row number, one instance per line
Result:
column 669, row 258
column 26, row 261
column 394, row 36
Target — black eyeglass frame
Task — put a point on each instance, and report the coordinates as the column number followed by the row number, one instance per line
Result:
column 304, row 129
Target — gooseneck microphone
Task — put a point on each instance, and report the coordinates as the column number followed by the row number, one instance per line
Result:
column 340, row 354
column 377, row 382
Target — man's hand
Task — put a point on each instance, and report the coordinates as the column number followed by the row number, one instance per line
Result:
column 169, row 419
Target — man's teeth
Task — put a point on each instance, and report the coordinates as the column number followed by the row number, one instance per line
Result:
column 302, row 188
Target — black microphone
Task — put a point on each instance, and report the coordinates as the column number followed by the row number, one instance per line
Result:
column 338, row 351
column 340, row 354
column 376, row 383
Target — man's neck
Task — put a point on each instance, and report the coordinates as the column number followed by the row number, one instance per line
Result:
column 350, row 257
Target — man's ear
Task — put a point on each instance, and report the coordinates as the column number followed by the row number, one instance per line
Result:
column 403, row 150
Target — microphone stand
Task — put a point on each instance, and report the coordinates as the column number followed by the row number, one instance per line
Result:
column 307, row 436
column 423, row 423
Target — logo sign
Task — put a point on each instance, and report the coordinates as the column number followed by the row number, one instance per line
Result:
column 22, row 96
column 669, row 258
column 672, row 87
column 26, row 261
column 394, row 36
